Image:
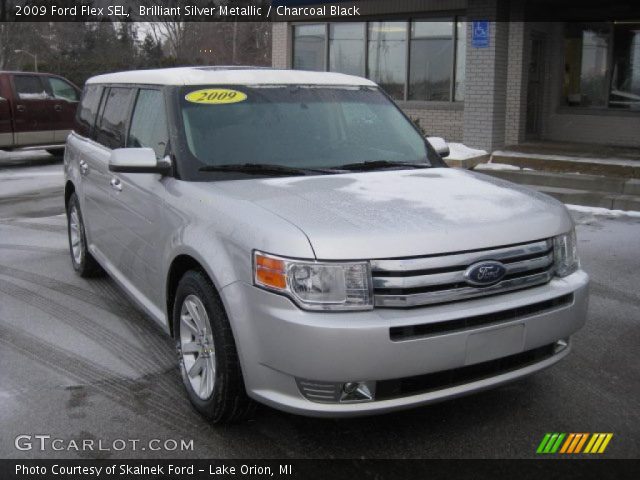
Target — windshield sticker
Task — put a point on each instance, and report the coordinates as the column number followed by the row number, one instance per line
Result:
column 215, row 96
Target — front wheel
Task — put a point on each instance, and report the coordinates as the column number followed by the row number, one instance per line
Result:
column 208, row 358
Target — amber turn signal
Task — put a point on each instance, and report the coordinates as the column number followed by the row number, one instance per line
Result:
column 270, row 272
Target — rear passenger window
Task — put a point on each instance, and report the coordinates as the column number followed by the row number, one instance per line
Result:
column 111, row 127
column 88, row 109
column 29, row 87
column 149, row 123
column 62, row 90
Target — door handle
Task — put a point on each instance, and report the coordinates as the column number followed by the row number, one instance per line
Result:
column 84, row 167
column 20, row 108
column 116, row 184
column 57, row 108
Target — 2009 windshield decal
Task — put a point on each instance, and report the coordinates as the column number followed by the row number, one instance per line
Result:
column 215, row 96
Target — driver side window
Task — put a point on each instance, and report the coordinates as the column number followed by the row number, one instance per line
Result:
column 149, row 123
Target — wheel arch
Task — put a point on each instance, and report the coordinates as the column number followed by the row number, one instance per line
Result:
column 69, row 189
column 180, row 265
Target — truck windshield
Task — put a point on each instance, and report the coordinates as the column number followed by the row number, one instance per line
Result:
column 298, row 127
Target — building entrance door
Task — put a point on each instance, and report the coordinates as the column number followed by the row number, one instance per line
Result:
column 535, row 86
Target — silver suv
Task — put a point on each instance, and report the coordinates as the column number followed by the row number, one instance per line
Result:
column 307, row 247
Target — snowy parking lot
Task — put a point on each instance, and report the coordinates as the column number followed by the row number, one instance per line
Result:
column 78, row 360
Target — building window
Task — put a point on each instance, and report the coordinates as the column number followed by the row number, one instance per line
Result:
column 346, row 48
column 431, row 61
column 602, row 65
column 309, row 47
column 461, row 55
column 411, row 60
column 387, row 56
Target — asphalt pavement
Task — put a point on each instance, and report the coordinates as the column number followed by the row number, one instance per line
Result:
column 79, row 361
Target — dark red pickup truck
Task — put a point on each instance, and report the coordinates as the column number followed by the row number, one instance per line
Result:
column 36, row 110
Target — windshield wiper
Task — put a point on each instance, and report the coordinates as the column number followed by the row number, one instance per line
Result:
column 265, row 169
column 375, row 164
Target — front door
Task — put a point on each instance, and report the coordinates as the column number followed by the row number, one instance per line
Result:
column 535, row 86
column 137, row 201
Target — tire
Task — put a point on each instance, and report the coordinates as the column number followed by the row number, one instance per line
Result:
column 56, row 151
column 205, row 344
column 81, row 259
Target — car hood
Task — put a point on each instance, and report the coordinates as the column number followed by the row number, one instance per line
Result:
column 399, row 213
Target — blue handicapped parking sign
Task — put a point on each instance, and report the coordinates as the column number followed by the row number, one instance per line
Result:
column 480, row 34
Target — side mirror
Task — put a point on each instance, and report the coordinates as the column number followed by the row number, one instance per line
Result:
column 137, row 160
column 439, row 145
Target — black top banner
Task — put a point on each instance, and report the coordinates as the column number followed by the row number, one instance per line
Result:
column 307, row 10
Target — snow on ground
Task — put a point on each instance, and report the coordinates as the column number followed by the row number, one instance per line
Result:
column 500, row 166
column 604, row 211
column 459, row 151
column 567, row 158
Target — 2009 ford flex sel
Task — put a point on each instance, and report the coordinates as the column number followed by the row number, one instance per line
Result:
column 308, row 248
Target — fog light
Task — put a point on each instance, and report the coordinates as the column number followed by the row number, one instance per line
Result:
column 358, row 392
column 560, row 345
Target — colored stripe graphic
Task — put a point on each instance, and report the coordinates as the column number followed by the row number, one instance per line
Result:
column 567, row 442
column 556, row 446
column 598, row 443
column 573, row 443
column 551, row 443
column 543, row 443
column 581, row 443
column 594, row 437
column 605, row 443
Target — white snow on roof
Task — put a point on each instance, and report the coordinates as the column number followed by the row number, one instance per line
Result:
column 229, row 76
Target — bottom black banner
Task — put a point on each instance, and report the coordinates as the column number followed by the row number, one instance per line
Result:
column 320, row 469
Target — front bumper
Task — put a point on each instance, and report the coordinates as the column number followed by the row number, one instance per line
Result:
column 278, row 342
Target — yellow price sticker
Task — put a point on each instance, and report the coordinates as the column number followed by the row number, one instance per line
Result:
column 215, row 96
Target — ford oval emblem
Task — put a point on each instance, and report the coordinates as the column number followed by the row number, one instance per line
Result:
column 485, row 273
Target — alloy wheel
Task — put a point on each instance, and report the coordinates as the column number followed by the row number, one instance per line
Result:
column 196, row 346
column 75, row 235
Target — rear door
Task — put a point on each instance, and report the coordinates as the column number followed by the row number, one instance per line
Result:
column 6, row 128
column 33, row 111
column 65, row 102
column 110, row 132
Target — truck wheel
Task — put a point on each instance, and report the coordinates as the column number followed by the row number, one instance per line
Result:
column 82, row 261
column 207, row 354
column 56, row 152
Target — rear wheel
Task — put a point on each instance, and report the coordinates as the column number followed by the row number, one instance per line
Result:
column 207, row 354
column 82, row 261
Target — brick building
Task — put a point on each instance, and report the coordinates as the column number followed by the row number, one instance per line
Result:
column 480, row 71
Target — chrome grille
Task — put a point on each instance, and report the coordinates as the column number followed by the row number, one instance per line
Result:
column 409, row 282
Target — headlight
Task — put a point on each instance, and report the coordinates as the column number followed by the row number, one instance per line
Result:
column 316, row 285
column 565, row 253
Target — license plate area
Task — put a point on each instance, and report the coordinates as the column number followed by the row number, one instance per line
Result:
column 495, row 343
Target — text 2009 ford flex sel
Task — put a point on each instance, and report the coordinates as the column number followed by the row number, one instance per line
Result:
column 308, row 248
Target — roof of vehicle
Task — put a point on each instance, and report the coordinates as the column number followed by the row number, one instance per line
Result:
column 22, row 72
column 232, row 75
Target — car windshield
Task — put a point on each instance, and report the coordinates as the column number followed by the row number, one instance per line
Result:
column 315, row 129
